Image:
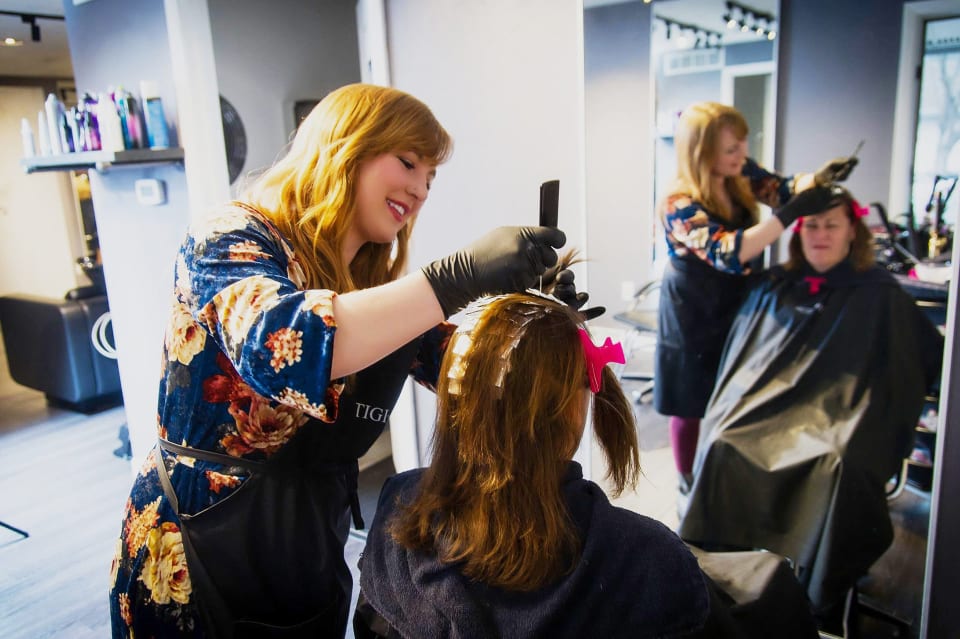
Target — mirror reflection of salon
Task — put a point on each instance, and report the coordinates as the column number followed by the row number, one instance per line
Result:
column 717, row 51
column 635, row 84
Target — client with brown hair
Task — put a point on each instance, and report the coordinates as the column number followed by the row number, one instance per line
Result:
column 502, row 536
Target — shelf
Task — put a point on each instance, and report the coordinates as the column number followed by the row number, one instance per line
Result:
column 100, row 160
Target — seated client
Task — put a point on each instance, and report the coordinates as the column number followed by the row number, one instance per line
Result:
column 502, row 536
column 822, row 381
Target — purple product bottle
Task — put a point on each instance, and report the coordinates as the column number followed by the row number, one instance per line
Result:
column 92, row 126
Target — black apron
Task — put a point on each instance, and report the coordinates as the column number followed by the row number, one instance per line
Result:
column 697, row 307
column 267, row 561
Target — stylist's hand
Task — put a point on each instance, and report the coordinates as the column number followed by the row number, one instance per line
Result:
column 507, row 259
column 565, row 290
column 816, row 199
column 836, row 170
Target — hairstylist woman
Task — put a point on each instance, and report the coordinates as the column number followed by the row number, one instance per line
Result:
column 291, row 334
column 711, row 221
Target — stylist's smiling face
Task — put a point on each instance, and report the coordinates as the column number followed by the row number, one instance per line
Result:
column 731, row 153
column 826, row 238
column 391, row 188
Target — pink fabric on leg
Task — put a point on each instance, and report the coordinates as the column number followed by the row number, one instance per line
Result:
column 684, row 432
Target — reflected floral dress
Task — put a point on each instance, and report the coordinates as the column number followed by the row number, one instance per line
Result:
column 245, row 372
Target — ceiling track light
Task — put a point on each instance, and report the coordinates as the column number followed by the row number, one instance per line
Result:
column 698, row 36
column 747, row 19
column 31, row 19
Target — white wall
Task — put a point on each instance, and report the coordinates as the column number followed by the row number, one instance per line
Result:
column 271, row 54
column 505, row 79
column 40, row 238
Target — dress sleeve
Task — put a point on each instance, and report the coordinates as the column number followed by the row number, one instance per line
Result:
column 241, row 280
column 769, row 188
column 426, row 367
column 691, row 231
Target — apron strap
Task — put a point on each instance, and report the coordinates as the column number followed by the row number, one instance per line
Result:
column 210, row 456
column 165, row 483
column 352, row 476
column 350, row 471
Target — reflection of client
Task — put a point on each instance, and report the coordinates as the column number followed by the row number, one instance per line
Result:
column 820, row 387
column 502, row 536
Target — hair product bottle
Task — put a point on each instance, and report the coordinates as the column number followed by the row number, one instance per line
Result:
column 54, row 114
column 158, row 137
column 43, row 134
column 111, row 133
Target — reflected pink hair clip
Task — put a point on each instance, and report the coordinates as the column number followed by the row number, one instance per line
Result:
column 814, row 283
column 599, row 356
column 858, row 210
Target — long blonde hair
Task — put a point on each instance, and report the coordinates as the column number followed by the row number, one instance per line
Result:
column 491, row 499
column 309, row 194
column 697, row 145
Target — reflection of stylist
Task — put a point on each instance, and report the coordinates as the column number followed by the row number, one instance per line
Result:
column 291, row 334
column 711, row 221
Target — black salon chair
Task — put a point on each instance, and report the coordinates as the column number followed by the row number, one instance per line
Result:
column 641, row 317
column 63, row 348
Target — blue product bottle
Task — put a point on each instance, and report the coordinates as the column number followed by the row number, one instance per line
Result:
column 158, row 137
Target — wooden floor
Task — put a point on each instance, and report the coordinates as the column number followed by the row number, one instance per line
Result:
column 61, row 483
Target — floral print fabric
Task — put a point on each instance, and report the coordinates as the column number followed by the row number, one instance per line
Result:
column 690, row 229
column 246, row 366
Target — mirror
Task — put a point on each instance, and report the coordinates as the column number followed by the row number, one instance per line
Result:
column 643, row 64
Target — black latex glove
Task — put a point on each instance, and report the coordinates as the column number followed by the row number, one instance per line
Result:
column 565, row 290
column 508, row 259
column 816, row 199
column 836, row 170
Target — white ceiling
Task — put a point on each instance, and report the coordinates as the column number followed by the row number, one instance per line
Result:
column 49, row 58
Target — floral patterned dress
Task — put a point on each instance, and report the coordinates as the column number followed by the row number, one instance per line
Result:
column 257, row 446
column 701, row 289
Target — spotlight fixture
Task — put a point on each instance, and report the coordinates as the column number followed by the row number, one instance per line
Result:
column 31, row 19
column 691, row 35
column 747, row 19
column 34, row 27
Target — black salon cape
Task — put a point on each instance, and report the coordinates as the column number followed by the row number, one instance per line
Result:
column 635, row 578
column 814, row 409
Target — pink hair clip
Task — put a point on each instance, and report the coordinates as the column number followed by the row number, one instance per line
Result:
column 814, row 283
column 858, row 210
column 599, row 356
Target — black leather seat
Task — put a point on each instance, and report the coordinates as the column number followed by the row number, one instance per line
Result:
column 50, row 348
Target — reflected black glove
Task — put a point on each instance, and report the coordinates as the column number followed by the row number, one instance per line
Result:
column 565, row 290
column 836, row 170
column 507, row 259
column 816, row 199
